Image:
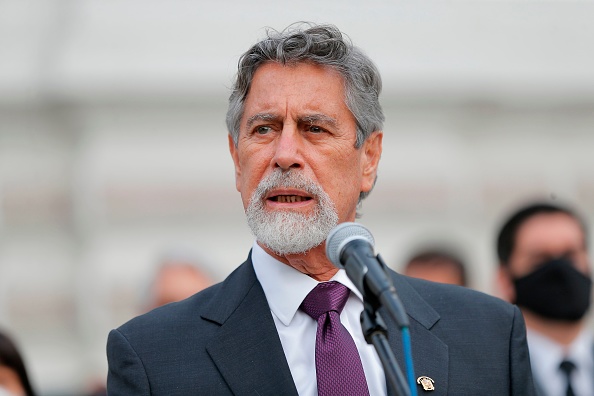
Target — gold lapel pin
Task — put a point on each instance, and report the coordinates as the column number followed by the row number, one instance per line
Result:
column 426, row 382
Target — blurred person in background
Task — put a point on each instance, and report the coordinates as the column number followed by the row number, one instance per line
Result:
column 544, row 268
column 178, row 276
column 14, row 380
column 436, row 264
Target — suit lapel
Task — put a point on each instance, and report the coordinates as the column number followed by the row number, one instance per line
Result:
column 249, row 355
column 430, row 354
column 247, row 350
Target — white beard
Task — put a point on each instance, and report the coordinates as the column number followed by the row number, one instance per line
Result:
column 286, row 232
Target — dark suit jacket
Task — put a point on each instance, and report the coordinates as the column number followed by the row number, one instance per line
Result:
column 223, row 341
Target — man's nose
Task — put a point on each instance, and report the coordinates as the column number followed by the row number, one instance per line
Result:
column 288, row 150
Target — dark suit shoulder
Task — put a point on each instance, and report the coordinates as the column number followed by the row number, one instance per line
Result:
column 483, row 335
column 447, row 297
column 448, row 306
column 169, row 314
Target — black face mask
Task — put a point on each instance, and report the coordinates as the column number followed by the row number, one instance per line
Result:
column 555, row 290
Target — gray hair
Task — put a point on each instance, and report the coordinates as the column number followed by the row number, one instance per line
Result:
column 323, row 45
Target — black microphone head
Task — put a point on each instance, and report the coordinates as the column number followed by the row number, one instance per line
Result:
column 343, row 234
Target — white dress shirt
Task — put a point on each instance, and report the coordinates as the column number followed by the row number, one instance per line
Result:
column 546, row 355
column 285, row 289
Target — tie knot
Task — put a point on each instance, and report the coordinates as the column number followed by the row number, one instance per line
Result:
column 325, row 297
column 567, row 366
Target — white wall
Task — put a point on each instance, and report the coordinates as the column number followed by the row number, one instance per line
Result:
column 113, row 146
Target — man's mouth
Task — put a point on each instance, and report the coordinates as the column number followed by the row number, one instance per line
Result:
column 289, row 198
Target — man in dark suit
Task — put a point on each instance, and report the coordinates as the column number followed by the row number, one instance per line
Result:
column 305, row 135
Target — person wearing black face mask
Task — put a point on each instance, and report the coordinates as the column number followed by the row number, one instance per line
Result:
column 544, row 268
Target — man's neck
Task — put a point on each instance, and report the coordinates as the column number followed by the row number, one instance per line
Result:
column 314, row 263
column 562, row 332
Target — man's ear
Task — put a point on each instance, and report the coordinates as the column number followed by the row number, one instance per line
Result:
column 372, row 151
column 235, row 156
column 505, row 285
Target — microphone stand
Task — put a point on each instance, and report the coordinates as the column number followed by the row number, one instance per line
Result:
column 376, row 334
column 376, row 287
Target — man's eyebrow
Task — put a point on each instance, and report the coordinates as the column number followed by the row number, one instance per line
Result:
column 307, row 119
column 260, row 117
column 316, row 118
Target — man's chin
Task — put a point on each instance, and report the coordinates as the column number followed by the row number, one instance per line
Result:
column 303, row 212
column 290, row 251
column 282, row 246
column 291, row 231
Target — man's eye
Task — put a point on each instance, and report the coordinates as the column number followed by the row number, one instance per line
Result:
column 315, row 129
column 263, row 130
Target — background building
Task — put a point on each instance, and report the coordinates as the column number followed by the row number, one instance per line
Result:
column 113, row 146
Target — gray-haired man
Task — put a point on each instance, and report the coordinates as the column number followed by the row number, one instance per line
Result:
column 305, row 134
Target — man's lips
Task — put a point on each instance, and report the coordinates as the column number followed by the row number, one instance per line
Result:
column 287, row 196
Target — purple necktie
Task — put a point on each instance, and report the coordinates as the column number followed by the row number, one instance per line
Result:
column 338, row 366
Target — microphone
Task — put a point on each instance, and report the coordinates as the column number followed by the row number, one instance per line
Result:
column 350, row 246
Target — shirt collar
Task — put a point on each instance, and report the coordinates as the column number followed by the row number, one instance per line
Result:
column 285, row 287
column 580, row 351
column 547, row 353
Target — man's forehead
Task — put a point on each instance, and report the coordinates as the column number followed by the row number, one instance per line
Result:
column 272, row 77
column 306, row 93
column 550, row 232
column 550, row 223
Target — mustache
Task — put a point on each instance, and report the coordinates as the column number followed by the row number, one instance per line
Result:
column 287, row 179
